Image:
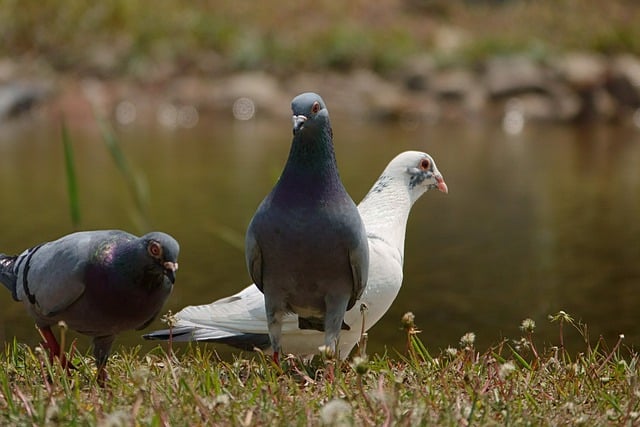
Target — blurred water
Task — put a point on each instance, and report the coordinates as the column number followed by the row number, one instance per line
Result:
column 534, row 223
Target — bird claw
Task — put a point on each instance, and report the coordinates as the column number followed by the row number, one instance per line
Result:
column 65, row 359
column 102, row 377
column 50, row 343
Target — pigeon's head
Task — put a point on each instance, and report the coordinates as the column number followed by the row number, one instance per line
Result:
column 309, row 111
column 163, row 250
column 419, row 171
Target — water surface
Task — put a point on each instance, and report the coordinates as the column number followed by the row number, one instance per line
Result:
column 543, row 221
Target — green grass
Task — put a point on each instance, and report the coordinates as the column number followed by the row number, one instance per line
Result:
column 510, row 383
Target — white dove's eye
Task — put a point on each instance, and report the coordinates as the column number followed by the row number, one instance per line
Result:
column 155, row 249
column 315, row 107
column 425, row 164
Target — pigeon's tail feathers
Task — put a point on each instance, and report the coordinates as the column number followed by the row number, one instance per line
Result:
column 178, row 334
column 7, row 274
column 247, row 342
column 242, row 341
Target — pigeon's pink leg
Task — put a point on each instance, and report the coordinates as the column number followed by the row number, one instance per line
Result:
column 50, row 342
column 331, row 375
column 101, row 376
column 276, row 358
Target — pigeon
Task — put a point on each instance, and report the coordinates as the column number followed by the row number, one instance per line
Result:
column 99, row 283
column 240, row 320
column 306, row 247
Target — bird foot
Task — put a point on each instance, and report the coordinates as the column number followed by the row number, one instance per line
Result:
column 330, row 372
column 65, row 359
column 50, row 343
column 102, row 377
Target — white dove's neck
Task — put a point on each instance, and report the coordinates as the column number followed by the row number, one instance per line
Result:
column 385, row 211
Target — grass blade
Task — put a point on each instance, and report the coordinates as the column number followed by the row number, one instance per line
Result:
column 520, row 359
column 72, row 180
column 134, row 182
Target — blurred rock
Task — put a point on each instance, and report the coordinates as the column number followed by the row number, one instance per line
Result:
column 19, row 98
column 417, row 72
column 565, row 102
column 586, row 74
column 361, row 93
column 382, row 99
column 449, row 40
column 513, row 75
column 624, row 81
column 192, row 90
column 459, row 92
column 453, row 83
column 582, row 70
column 580, row 87
column 533, row 106
column 261, row 88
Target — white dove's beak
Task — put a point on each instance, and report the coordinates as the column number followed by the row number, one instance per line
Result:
column 442, row 186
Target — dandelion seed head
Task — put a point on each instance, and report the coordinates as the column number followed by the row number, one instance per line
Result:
column 451, row 352
column 360, row 365
column 408, row 320
column 528, row 325
column 468, row 339
column 222, row 399
column 506, row 369
column 170, row 319
column 336, row 412
column 117, row 418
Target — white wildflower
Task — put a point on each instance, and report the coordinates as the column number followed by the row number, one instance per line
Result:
column 506, row 369
column 336, row 412
column 468, row 339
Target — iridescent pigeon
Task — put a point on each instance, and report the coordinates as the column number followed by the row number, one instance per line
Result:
column 99, row 283
column 306, row 247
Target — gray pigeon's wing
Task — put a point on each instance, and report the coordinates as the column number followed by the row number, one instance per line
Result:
column 148, row 321
column 359, row 260
column 359, row 268
column 253, row 256
column 52, row 277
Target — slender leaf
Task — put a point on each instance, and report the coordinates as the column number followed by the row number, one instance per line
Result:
column 135, row 182
column 72, row 180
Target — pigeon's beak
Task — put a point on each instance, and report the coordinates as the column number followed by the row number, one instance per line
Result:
column 298, row 122
column 440, row 184
column 170, row 270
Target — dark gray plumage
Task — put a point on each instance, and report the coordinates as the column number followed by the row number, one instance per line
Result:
column 99, row 283
column 306, row 246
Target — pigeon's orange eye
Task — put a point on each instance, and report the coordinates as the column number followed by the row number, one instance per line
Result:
column 425, row 164
column 315, row 107
column 155, row 249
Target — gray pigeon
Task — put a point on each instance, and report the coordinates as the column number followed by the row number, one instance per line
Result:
column 99, row 283
column 306, row 246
